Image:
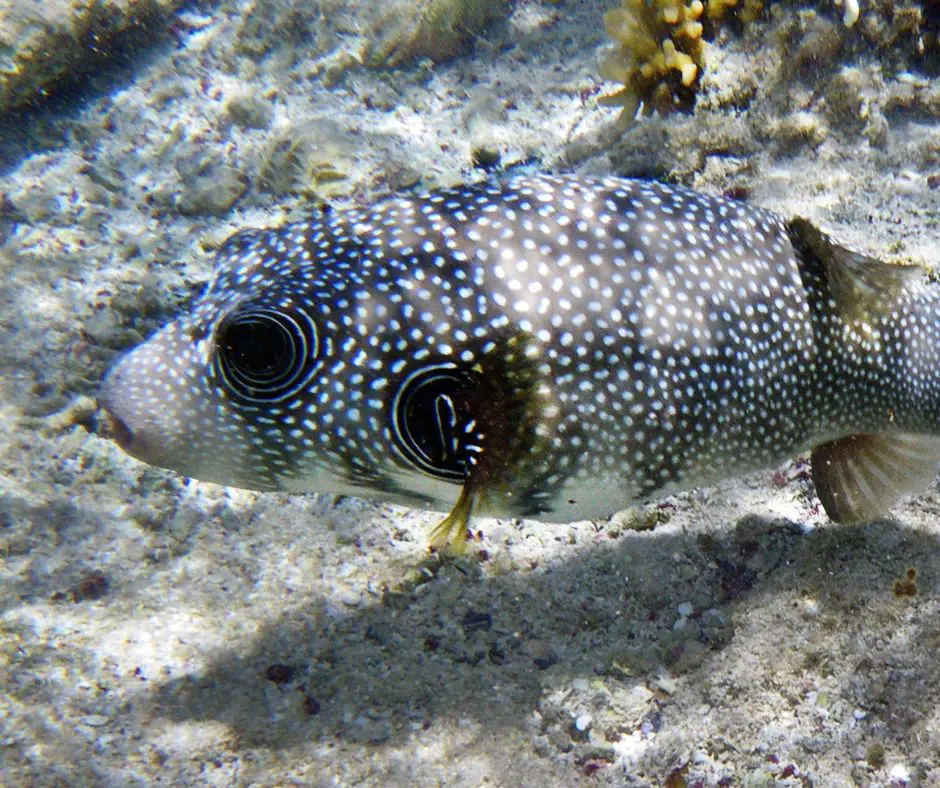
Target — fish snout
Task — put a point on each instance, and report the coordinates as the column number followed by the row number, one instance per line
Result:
column 134, row 441
column 162, row 411
column 125, row 423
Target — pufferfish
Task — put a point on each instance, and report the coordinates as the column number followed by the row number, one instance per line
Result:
column 547, row 347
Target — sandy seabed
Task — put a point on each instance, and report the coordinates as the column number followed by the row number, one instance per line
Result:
column 160, row 631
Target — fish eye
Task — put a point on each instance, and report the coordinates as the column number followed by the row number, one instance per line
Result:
column 431, row 421
column 264, row 354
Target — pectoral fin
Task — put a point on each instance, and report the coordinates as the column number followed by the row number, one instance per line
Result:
column 451, row 533
column 861, row 477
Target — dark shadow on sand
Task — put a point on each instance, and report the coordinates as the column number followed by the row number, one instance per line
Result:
column 467, row 646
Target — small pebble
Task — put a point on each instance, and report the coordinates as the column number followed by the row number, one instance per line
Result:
column 666, row 684
column 249, row 112
column 583, row 722
column 542, row 654
column 350, row 598
column 279, row 674
column 311, row 705
column 476, row 621
column 900, row 773
column 193, row 20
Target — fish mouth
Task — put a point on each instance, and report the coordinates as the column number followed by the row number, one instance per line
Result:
column 118, row 418
column 131, row 439
column 139, row 443
column 117, row 430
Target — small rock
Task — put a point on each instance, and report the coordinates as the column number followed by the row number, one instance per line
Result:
column 249, row 112
column 631, row 706
column 667, row 684
column 279, row 674
column 212, row 193
column 379, row 632
column 559, row 740
column 364, row 729
column 583, row 723
column 542, row 654
column 900, row 773
column 349, row 598
column 311, row 705
column 92, row 586
column 440, row 30
column 475, row 621
column 594, row 752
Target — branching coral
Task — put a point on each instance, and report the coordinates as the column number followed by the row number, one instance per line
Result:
column 658, row 56
column 660, row 53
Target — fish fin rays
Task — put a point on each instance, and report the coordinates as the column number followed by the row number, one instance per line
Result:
column 861, row 477
column 862, row 287
column 450, row 535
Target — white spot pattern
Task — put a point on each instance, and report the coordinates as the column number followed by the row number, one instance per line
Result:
column 678, row 338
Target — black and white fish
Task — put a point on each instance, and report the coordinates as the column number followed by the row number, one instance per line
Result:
column 550, row 347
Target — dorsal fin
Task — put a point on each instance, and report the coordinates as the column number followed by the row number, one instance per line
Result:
column 862, row 287
column 860, row 477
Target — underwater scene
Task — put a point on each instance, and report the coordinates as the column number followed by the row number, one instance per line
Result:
column 470, row 392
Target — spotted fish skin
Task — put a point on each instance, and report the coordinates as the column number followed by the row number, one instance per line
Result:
column 551, row 347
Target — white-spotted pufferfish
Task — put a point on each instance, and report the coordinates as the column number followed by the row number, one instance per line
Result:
column 549, row 347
